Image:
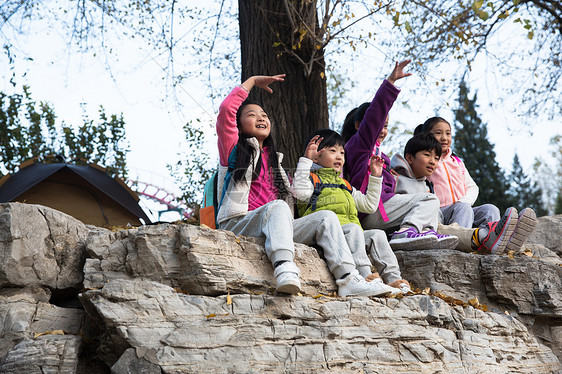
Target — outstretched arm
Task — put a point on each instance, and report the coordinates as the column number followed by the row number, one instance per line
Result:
column 262, row 81
column 398, row 72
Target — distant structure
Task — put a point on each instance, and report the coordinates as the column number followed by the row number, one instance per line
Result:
column 162, row 196
column 85, row 192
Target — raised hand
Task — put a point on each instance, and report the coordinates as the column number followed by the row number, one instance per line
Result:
column 311, row 151
column 398, row 72
column 263, row 81
column 376, row 165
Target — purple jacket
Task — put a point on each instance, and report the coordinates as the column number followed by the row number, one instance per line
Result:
column 359, row 148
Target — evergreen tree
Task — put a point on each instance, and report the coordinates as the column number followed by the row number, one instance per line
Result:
column 558, row 206
column 472, row 145
column 523, row 192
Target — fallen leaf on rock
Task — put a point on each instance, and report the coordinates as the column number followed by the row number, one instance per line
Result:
column 212, row 315
column 511, row 255
column 53, row 332
column 228, row 299
column 474, row 302
column 527, row 252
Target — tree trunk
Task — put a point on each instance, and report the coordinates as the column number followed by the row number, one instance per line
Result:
column 298, row 105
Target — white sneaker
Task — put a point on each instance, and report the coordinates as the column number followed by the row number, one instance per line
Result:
column 392, row 290
column 405, row 288
column 287, row 278
column 355, row 284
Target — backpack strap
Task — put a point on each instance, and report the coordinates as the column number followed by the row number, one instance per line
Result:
column 319, row 186
column 228, row 176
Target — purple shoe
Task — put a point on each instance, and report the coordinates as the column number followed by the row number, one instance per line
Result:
column 411, row 240
column 445, row 241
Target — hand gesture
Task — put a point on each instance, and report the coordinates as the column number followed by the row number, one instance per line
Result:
column 398, row 72
column 263, row 81
column 311, row 151
column 376, row 165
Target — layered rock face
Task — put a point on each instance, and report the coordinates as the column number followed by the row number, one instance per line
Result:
column 184, row 299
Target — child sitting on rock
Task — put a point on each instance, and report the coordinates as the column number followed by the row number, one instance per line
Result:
column 253, row 191
column 421, row 157
column 318, row 186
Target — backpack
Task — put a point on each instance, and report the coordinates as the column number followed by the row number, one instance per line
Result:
column 210, row 207
column 319, row 186
column 207, row 213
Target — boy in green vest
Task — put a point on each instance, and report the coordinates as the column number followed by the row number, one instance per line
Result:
column 318, row 186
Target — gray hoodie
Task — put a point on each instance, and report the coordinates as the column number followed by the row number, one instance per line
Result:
column 406, row 183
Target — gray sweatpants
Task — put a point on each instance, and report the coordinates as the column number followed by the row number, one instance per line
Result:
column 374, row 242
column 274, row 220
column 356, row 243
column 419, row 211
column 383, row 257
column 468, row 216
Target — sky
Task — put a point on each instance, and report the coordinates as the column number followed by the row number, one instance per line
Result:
column 133, row 85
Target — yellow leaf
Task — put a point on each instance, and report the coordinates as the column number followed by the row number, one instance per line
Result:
column 474, row 302
column 53, row 332
column 228, row 299
column 238, row 240
column 477, row 5
column 527, row 252
column 511, row 254
column 322, row 74
column 426, row 291
column 211, row 315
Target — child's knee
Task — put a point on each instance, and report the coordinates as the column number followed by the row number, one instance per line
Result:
column 327, row 218
column 279, row 207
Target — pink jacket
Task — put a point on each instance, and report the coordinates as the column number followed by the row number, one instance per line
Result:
column 262, row 189
column 452, row 182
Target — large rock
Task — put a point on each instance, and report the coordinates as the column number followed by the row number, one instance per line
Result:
column 548, row 233
column 40, row 246
column 180, row 298
column 27, row 322
column 46, row 354
column 261, row 333
column 197, row 260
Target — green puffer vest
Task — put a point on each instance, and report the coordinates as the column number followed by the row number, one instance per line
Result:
column 330, row 193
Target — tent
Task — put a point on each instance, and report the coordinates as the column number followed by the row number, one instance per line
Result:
column 85, row 192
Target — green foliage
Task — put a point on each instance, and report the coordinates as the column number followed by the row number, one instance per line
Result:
column 29, row 130
column 194, row 168
column 472, row 145
column 558, row 206
column 523, row 192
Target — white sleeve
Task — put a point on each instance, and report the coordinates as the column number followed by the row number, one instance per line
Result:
column 471, row 189
column 369, row 202
column 302, row 188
